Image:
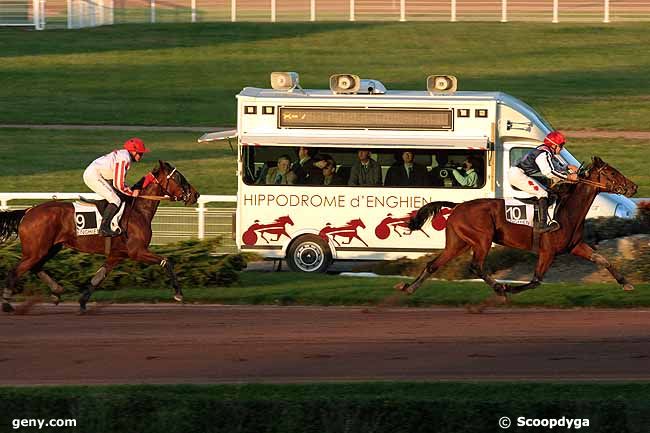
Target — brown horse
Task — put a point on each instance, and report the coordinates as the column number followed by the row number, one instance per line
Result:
column 476, row 224
column 45, row 229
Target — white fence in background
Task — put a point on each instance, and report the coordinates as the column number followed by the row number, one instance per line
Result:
column 84, row 13
column 23, row 13
column 171, row 223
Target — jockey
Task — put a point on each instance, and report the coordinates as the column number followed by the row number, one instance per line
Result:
column 106, row 175
column 543, row 160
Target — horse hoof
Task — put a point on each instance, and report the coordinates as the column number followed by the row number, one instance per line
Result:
column 401, row 286
column 178, row 298
column 56, row 299
column 628, row 287
column 7, row 308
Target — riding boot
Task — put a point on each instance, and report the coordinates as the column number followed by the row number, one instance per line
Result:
column 105, row 228
column 545, row 227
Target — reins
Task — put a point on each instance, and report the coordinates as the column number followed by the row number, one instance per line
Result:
column 592, row 183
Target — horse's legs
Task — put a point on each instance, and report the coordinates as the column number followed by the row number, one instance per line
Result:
column 25, row 265
column 585, row 251
column 479, row 253
column 55, row 288
column 544, row 261
column 141, row 254
column 97, row 279
column 454, row 246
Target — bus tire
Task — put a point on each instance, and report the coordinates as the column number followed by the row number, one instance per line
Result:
column 309, row 253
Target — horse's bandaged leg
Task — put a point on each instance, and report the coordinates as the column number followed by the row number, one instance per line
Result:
column 99, row 276
column 51, row 283
column 6, row 294
column 620, row 279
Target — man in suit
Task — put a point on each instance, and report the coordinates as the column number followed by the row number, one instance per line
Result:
column 279, row 175
column 407, row 172
column 365, row 171
column 302, row 168
column 330, row 177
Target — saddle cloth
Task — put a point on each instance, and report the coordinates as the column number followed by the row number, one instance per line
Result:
column 88, row 218
column 519, row 212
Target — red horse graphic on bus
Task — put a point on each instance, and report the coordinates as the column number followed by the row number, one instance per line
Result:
column 349, row 231
column 277, row 228
column 439, row 222
column 382, row 231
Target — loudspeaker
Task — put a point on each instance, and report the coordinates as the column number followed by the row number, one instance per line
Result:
column 442, row 83
column 284, row 80
column 345, row 83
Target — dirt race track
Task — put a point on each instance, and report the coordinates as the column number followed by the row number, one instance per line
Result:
column 212, row 344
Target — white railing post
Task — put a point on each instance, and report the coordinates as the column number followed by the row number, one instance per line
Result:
column 201, row 211
column 606, row 13
column 504, row 11
column 273, row 11
column 69, row 14
column 111, row 13
column 556, row 11
column 39, row 14
column 153, row 11
column 402, row 10
column 233, row 10
column 312, row 10
column 453, row 11
column 351, row 10
column 193, row 6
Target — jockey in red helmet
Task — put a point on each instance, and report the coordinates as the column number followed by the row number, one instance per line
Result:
column 543, row 159
column 107, row 174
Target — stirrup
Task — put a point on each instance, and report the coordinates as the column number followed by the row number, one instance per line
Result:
column 551, row 227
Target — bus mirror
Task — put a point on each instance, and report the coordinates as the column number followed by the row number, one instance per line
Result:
column 345, row 83
column 442, row 83
column 284, row 80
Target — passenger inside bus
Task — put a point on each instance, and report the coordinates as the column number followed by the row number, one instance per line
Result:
column 406, row 171
column 303, row 168
column 365, row 171
column 467, row 176
column 279, row 175
column 330, row 176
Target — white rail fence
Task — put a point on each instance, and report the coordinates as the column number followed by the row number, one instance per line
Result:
column 88, row 13
column 171, row 223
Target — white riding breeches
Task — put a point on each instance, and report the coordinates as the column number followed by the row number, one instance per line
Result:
column 101, row 186
column 525, row 183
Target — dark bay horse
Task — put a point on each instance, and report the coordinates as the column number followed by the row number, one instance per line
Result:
column 476, row 224
column 45, row 229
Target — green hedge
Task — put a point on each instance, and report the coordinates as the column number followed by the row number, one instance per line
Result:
column 322, row 408
column 194, row 264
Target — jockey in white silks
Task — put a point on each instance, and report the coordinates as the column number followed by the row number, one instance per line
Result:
column 107, row 174
column 543, row 160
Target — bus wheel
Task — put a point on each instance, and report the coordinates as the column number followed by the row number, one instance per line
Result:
column 309, row 253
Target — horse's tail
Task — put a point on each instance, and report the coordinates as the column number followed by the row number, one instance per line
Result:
column 9, row 222
column 426, row 211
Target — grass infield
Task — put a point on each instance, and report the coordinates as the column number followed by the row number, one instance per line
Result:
column 339, row 407
column 576, row 75
column 265, row 288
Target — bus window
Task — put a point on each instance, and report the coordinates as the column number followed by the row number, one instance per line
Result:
column 393, row 167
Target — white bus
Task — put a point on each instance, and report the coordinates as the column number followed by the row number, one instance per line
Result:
column 361, row 214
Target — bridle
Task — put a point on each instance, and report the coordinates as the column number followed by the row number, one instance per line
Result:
column 165, row 189
column 619, row 189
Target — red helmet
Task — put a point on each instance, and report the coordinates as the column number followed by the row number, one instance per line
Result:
column 555, row 138
column 135, row 145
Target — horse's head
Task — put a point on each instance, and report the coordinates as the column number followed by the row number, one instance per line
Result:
column 174, row 184
column 610, row 179
column 357, row 223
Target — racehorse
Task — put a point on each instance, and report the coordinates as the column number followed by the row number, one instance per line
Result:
column 45, row 229
column 476, row 224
